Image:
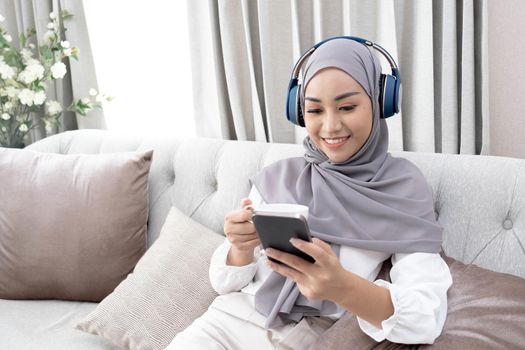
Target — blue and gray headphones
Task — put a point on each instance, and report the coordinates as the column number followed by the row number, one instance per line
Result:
column 390, row 84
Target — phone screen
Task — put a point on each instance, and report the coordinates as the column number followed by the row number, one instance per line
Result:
column 276, row 231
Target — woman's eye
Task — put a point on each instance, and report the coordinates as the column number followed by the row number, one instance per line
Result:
column 313, row 110
column 347, row 108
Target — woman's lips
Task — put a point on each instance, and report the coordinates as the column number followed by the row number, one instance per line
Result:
column 335, row 145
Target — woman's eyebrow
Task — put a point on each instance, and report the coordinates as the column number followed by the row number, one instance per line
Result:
column 313, row 99
column 346, row 94
column 337, row 98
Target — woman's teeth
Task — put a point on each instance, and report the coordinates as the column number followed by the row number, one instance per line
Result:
column 334, row 141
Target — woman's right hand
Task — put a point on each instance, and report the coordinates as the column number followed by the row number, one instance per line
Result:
column 242, row 235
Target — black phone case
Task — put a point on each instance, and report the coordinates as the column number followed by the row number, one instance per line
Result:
column 276, row 231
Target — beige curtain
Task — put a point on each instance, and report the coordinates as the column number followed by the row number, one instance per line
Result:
column 23, row 14
column 243, row 52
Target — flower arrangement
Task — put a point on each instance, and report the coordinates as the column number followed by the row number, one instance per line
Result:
column 25, row 74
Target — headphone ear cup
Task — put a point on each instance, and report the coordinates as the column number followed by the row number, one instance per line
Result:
column 388, row 99
column 293, row 105
column 398, row 95
column 298, row 108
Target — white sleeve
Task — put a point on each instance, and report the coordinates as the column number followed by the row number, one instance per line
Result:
column 226, row 278
column 419, row 294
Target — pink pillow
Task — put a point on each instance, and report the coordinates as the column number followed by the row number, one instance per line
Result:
column 486, row 310
column 71, row 226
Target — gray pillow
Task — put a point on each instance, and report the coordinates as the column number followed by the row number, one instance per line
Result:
column 168, row 289
column 486, row 310
column 71, row 226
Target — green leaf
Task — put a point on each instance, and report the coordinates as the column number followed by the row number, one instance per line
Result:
column 46, row 53
column 66, row 15
column 23, row 40
column 31, row 32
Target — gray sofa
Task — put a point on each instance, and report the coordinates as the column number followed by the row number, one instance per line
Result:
column 477, row 200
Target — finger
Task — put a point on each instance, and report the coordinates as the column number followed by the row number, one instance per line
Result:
column 291, row 260
column 320, row 243
column 309, row 248
column 240, row 239
column 286, row 271
column 240, row 216
column 241, row 228
column 237, row 239
column 252, row 243
column 245, row 202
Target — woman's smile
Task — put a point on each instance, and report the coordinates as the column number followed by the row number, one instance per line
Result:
column 335, row 143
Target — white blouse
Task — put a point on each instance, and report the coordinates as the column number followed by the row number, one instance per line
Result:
column 418, row 290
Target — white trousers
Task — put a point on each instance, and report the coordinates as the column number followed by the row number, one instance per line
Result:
column 220, row 330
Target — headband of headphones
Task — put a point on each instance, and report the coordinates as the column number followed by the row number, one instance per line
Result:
column 390, row 84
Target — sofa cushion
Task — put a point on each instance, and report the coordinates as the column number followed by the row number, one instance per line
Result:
column 168, row 289
column 486, row 310
column 71, row 226
column 47, row 325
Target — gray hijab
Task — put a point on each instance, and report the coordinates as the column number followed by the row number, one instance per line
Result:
column 370, row 201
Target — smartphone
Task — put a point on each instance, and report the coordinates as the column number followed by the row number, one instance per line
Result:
column 275, row 232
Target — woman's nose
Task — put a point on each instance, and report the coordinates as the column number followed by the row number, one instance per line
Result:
column 332, row 122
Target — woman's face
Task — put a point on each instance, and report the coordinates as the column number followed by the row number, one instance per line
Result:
column 337, row 114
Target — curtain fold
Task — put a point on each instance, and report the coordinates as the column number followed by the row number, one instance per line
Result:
column 440, row 46
column 82, row 77
column 21, row 15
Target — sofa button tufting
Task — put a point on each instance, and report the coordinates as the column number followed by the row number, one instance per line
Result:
column 507, row 224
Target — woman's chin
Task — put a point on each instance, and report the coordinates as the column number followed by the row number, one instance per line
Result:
column 340, row 158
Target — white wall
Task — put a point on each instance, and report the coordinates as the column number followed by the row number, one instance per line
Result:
column 507, row 77
column 141, row 55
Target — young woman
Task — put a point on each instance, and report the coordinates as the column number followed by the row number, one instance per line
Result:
column 364, row 207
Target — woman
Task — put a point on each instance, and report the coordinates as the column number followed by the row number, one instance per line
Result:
column 364, row 207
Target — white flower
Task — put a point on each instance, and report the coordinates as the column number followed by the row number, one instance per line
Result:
column 54, row 107
column 11, row 91
column 6, row 72
column 49, row 126
column 23, row 128
column 67, row 52
column 92, row 92
column 33, row 71
column 39, row 98
column 26, row 97
column 51, row 25
column 65, row 44
column 85, row 100
column 31, row 46
column 26, row 54
column 2, row 18
column 100, row 98
column 6, row 116
column 52, row 15
column 8, row 38
column 49, row 36
column 58, row 70
column 32, row 62
column 8, row 105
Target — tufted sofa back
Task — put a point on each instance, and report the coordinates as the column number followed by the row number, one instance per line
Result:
column 479, row 200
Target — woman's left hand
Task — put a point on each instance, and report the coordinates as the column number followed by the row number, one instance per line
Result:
column 325, row 279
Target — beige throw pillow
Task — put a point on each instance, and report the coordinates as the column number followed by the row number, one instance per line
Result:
column 71, row 226
column 168, row 289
